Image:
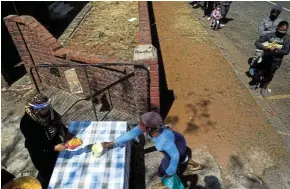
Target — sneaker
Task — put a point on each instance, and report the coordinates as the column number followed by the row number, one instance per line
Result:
column 195, row 168
column 264, row 92
column 208, row 18
column 253, row 87
column 222, row 25
column 158, row 185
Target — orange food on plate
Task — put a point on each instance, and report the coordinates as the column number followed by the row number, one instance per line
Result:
column 74, row 143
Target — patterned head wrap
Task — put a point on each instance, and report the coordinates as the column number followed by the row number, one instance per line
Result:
column 152, row 120
column 37, row 102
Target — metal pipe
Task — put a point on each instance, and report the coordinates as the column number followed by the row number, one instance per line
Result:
column 33, row 79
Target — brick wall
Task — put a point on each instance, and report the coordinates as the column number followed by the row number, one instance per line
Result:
column 132, row 94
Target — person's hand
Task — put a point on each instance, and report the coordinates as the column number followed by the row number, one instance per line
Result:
column 273, row 49
column 108, row 144
column 60, row 147
column 267, row 48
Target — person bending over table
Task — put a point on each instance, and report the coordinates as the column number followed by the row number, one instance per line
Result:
column 44, row 135
column 167, row 141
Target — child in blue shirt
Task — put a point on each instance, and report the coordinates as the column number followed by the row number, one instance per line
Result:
column 167, row 141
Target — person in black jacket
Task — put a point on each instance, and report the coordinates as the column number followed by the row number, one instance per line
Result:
column 208, row 8
column 225, row 7
column 44, row 135
column 275, row 46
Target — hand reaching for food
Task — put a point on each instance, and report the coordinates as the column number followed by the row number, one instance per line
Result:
column 60, row 147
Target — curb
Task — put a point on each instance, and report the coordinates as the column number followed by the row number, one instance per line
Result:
column 68, row 33
column 268, row 111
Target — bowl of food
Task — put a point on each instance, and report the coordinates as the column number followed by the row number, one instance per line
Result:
column 74, row 143
column 97, row 150
column 26, row 182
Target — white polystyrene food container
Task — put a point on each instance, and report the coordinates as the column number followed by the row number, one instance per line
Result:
column 97, row 150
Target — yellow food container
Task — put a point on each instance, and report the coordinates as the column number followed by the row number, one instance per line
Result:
column 26, row 182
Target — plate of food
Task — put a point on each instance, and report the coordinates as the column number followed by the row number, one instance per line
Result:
column 74, row 143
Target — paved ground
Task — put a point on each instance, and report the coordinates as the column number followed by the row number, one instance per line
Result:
column 213, row 108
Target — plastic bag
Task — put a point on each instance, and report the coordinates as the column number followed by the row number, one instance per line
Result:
column 172, row 182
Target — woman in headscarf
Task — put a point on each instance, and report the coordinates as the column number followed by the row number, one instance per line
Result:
column 167, row 141
column 44, row 135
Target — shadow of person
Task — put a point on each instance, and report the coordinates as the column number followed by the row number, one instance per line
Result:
column 226, row 20
column 190, row 181
column 212, row 182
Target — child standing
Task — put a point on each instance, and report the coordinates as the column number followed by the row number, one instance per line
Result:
column 216, row 16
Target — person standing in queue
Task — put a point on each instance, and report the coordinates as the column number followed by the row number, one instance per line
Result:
column 225, row 7
column 275, row 46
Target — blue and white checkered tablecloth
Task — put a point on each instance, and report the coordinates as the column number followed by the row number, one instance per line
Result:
column 80, row 169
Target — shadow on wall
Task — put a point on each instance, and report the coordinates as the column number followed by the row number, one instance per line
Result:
column 166, row 96
column 199, row 117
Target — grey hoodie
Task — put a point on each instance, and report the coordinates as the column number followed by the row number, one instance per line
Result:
column 267, row 25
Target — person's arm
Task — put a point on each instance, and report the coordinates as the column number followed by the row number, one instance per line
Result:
column 284, row 51
column 213, row 13
column 219, row 16
column 123, row 138
column 260, row 41
column 262, row 31
column 171, row 149
column 128, row 136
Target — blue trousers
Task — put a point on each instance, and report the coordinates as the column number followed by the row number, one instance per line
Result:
column 181, row 146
